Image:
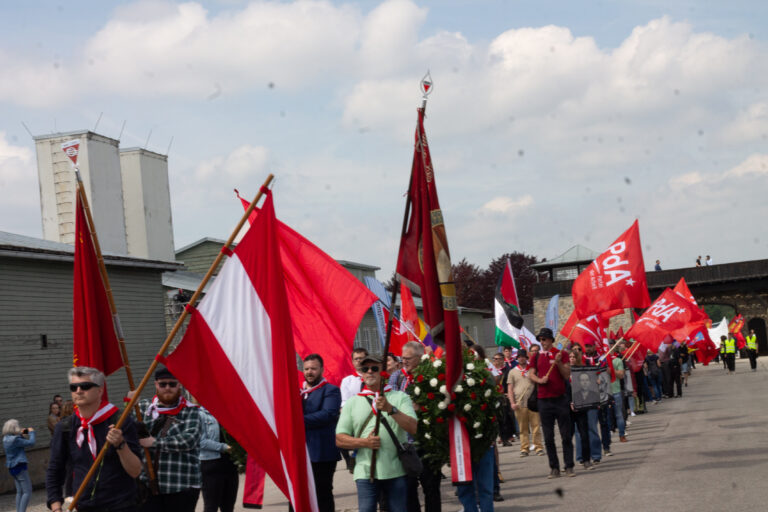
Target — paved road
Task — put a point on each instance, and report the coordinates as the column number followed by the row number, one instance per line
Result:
column 707, row 451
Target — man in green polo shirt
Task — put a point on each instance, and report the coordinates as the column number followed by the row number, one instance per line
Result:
column 354, row 431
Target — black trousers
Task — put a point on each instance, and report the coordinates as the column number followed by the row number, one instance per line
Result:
column 752, row 354
column 558, row 410
column 730, row 360
column 184, row 501
column 676, row 380
column 580, row 421
column 323, row 472
column 666, row 379
column 430, row 484
column 220, row 483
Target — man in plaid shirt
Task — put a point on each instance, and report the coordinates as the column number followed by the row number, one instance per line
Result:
column 174, row 443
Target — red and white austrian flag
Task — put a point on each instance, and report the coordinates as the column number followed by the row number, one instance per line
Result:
column 671, row 315
column 72, row 150
column 616, row 279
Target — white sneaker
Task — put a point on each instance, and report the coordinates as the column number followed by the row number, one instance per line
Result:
column 632, row 413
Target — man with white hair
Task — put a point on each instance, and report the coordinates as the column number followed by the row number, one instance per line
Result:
column 77, row 441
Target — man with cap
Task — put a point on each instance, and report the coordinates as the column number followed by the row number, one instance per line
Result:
column 355, row 432
column 174, row 431
column 550, row 370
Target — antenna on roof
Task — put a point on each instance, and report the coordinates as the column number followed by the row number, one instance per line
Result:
column 97, row 121
column 121, row 130
column 169, row 146
column 26, row 128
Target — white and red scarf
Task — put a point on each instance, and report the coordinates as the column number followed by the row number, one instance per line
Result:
column 155, row 409
column 375, row 394
column 306, row 391
column 408, row 377
column 85, row 431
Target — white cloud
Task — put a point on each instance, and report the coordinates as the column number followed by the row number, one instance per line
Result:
column 507, row 204
column 686, row 180
column 756, row 164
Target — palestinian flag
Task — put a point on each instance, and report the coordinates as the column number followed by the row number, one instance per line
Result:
column 507, row 310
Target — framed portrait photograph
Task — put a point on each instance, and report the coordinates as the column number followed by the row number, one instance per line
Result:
column 585, row 390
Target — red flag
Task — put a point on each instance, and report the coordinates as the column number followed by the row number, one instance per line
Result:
column 736, row 325
column 326, row 301
column 424, row 262
column 237, row 358
column 399, row 335
column 589, row 330
column 700, row 341
column 615, row 280
column 671, row 315
column 408, row 312
column 94, row 340
column 636, row 358
column 682, row 288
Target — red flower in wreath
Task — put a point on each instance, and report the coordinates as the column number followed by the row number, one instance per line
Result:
column 441, row 377
column 482, row 382
column 493, row 418
column 483, row 407
column 420, row 378
column 431, row 396
column 463, row 419
column 440, row 419
column 473, row 396
column 451, row 407
column 423, row 409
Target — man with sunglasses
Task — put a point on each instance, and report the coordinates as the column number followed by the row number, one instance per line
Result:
column 77, row 441
column 355, row 432
column 174, row 442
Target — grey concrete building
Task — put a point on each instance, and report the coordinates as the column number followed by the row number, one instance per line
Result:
column 36, row 330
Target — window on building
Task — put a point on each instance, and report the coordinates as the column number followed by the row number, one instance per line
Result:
column 566, row 273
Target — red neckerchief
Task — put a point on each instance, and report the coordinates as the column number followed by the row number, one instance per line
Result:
column 590, row 360
column 106, row 410
column 306, row 391
column 523, row 371
column 408, row 377
column 375, row 394
column 155, row 409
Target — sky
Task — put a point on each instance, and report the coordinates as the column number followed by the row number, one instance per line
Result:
column 551, row 123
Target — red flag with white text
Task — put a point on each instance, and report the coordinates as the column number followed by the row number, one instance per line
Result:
column 326, row 301
column 590, row 330
column 670, row 315
column 237, row 358
column 736, row 325
column 615, row 280
column 94, row 341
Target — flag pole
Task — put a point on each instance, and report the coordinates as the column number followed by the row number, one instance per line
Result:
column 634, row 349
column 169, row 339
column 113, row 309
column 388, row 337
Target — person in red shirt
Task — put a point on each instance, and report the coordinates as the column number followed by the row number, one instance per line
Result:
column 550, row 370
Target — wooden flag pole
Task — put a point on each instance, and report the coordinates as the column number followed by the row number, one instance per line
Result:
column 168, row 340
column 634, row 349
column 388, row 337
column 113, row 309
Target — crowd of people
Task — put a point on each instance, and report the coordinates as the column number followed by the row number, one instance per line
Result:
column 591, row 399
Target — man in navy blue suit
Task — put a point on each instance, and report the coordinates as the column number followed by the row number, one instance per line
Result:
column 322, row 402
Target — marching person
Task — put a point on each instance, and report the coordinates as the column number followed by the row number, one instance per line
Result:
column 174, row 444
column 321, row 402
column 355, row 432
column 218, row 472
column 752, row 349
column 430, row 481
column 78, row 439
column 352, row 384
column 518, row 391
column 15, row 441
column 730, row 353
column 550, row 370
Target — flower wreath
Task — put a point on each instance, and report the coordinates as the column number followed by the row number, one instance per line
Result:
column 474, row 400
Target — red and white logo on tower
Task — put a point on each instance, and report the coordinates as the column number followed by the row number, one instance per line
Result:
column 426, row 84
column 72, row 149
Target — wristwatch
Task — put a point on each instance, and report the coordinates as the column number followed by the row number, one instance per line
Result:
column 121, row 445
column 393, row 411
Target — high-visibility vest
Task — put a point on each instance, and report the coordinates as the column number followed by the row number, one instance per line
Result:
column 730, row 346
column 752, row 342
column 722, row 347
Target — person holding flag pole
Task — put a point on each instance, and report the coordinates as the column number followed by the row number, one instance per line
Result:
column 89, row 305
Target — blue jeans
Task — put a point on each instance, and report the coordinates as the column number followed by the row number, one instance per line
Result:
column 605, row 428
column 478, row 495
column 23, row 490
column 595, row 449
column 395, row 489
column 618, row 411
column 656, row 383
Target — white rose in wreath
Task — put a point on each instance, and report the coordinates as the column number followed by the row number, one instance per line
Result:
column 438, row 363
column 476, row 425
column 470, row 366
column 478, row 436
column 417, row 391
column 458, row 388
column 487, row 393
column 425, row 421
column 433, row 382
column 443, row 389
column 425, row 357
column 467, row 407
column 470, row 382
column 441, row 405
column 427, row 435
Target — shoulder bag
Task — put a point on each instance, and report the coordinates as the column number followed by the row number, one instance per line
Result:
column 405, row 452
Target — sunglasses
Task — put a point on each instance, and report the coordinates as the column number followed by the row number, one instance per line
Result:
column 167, row 383
column 365, row 369
column 85, row 386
